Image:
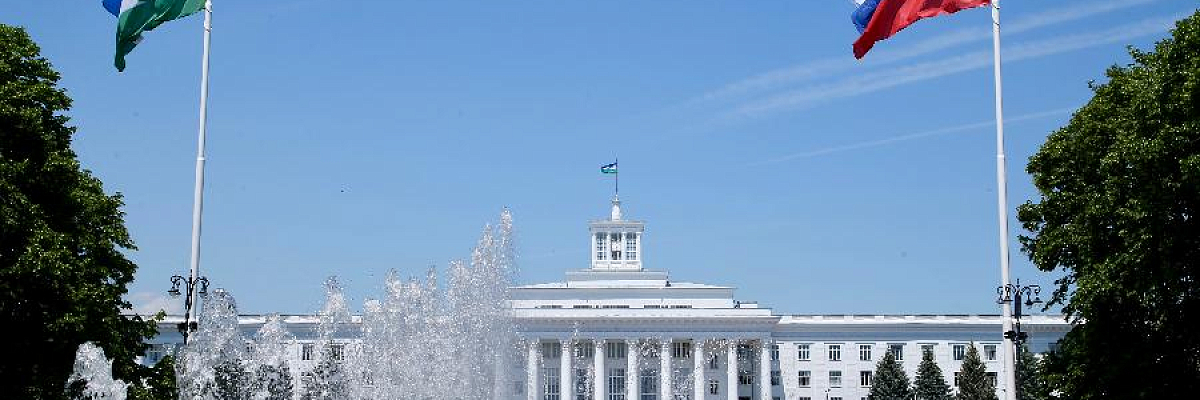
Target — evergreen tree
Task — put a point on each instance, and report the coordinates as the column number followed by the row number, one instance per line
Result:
column 275, row 381
column 890, row 382
column 973, row 382
column 1031, row 385
column 930, row 383
column 63, row 268
column 230, row 381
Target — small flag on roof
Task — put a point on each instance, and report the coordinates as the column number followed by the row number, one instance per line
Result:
column 880, row 19
column 608, row 168
column 137, row 16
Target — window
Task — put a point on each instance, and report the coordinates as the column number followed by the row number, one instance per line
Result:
column 804, row 378
column 926, row 348
column 337, row 351
column 615, row 350
column 745, row 379
column 991, row 376
column 802, row 352
column 775, row 378
column 681, row 350
column 864, row 352
column 649, row 384
column 551, row 384
column 583, row 384
column 835, row 398
column 518, row 387
column 714, row 362
column 615, row 246
column 615, row 306
column 583, row 350
column 714, row 386
column 835, row 352
column 601, row 246
column 306, row 352
column 630, row 246
column 804, row 398
column 960, row 352
column 835, row 378
column 864, row 378
column 155, row 353
column 581, row 306
column 551, row 350
column 550, row 306
column 897, row 351
column 616, row 383
column 774, row 352
column 989, row 352
column 956, row 374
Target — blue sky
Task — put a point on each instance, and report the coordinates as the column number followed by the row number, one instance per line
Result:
column 353, row 139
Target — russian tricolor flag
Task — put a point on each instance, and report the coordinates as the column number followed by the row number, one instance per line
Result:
column 880, row 19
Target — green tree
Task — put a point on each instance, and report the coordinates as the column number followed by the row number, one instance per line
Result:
column 1031, row 385
column 328, row 380
column 231, row 381
column 889, row 382
column 973, row 382
column 62, row 273
column 275, row 381
column 1117, row 216
column 930, row 383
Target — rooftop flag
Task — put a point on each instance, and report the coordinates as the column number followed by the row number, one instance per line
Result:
column 137, row 16
column 880, row 19
column 608, row 168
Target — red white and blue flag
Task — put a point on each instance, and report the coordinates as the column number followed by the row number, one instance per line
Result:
column 880, row 19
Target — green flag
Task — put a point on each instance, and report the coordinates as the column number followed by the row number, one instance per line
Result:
column 137, row 16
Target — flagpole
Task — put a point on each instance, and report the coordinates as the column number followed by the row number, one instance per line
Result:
column 617, row 178
column 1010, row 381
column 198, row 199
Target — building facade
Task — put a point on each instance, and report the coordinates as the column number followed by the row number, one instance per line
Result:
column 619, row 331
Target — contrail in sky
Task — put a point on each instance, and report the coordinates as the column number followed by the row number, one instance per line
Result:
column 911, row 136
column 872, row 82
column 781, row 77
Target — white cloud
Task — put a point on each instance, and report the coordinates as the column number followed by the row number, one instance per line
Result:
column 872, row 82
column 773, row 80
column 149, row 303
column 911, row 136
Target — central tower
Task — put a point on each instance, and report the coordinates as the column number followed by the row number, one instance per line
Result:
column 616, row 243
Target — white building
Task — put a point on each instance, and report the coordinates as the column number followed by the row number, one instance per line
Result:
column 654, row 338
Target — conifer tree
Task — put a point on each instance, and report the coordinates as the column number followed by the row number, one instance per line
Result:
column 1031, row 385
column 930, row 384
column 890, row 382
column 973, row 382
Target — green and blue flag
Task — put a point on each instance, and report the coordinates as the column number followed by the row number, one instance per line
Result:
column 137, row 16
column 608, row 168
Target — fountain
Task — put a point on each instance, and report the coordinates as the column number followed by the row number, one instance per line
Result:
column 417, row 341
column 92, row 377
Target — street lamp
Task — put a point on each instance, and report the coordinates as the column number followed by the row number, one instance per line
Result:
column 1014, row 293
column 188, row 326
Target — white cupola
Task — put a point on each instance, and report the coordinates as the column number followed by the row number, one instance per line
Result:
column 616, row 243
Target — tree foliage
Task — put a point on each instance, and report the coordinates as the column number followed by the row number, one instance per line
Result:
column 328, row 380
column 1118, row 217
column 930, row 383
column 1031, row 384
column 890, row 382
column 973, row 382
column 275, row 382
column 62, row 273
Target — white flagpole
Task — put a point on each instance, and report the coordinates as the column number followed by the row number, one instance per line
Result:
column 1009, row 370
column 198, row 199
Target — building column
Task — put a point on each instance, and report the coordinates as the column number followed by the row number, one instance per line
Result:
column 764, row 369
column 731, row 373
column 633, row 380
column 697, row 369
column 599, row 384
column 565, row 389
column 532, row 370
column 664, row 370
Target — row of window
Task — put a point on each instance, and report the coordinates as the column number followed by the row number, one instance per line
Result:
column 337, row 351
column 612, row 350
column 834, row 351
column 608, row 246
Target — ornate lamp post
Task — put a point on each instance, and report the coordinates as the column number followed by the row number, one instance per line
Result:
column 1014, row 293
column 201, row 283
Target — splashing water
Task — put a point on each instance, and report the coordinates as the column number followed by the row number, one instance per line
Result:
column 93, row 375
column 417, row 341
